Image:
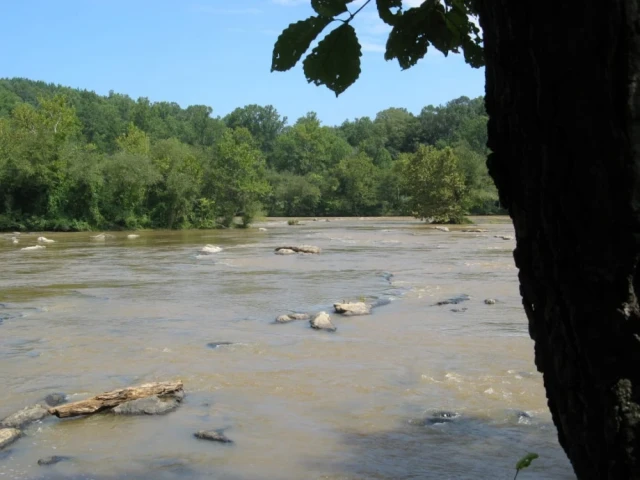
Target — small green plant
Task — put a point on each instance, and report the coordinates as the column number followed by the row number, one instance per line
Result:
column 524, row 462
column 293, row 222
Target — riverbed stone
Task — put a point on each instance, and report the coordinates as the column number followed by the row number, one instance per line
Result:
column 55, row 399
column 215, row 345
column 25, row 416
column 8, row 436
column 454, row 300
column 213, row 436
column 322, row 321
column 46, row 461
column 504, row 237
column 301, row 249
column 285, row 251
column 291, row 317
column 490, row 301
column 352, row 308
column 153, row 405
column 442, row 229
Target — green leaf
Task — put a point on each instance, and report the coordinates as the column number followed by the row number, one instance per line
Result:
column 525, row 461
column 295, row 40
column 408, row 41
column 335, row 61
column 329, row 8
column 385, row 13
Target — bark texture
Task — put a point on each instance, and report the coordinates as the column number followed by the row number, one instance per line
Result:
column 564, row 128
column 112, row 399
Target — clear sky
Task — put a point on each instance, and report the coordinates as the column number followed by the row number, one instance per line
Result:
column 211, row 52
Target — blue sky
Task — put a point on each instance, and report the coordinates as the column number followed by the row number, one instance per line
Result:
column 212, row 52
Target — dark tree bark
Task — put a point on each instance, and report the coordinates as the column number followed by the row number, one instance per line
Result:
column 564, row 129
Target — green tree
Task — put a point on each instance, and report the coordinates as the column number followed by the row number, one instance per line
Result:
column 239, row 176
column 358, row 181
column 264, row 123
column 558, row 166
column 435, row 183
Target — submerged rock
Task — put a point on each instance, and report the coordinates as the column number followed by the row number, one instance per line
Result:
column 285, row 251
column 352, row 308
column 291, row 317
column 442, row 229
column 504, row 237
column 34, row 247
column 133, row 236
column 459, row 310
column 55, row 399
column 322, row 321
column 218, row 344
column 213, row 436
column 154, row 405
column 473, row 230
column 301, row 249
column 45, row 240
column 210, row 249
column 454, row 300
column 8, row 436
column 24, row 417
column 441, row 417
column 46, row 461
column 490, row 301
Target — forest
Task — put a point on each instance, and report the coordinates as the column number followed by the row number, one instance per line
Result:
column 71, row 159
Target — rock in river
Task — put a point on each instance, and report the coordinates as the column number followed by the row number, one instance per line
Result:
column 215, row 345
column 154, row 405
column 490, row 301
column 52, row 460
column 352, row 308
column 212, row 435
column 290, row 317
column 8, row 436
column 442, row 229
column 285, row 251
column 322, row 321
column 301, row 249
column 454, row 300
column 24, row 417
column 55, row 399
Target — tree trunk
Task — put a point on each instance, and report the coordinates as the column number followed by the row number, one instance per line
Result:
column 564, row 131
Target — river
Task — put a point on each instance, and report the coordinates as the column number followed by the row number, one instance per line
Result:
column 85, row 316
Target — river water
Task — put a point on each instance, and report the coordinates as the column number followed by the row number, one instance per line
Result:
column 85, row 316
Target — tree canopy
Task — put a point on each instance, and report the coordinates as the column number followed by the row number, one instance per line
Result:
column 72, row 159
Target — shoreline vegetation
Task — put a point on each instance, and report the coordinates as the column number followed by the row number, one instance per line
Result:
column 72, row 160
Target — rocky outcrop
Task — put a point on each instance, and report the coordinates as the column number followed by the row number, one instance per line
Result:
column 322, row 321
column 490, row 301
column 45, row 240
column 24, row 417
column 352, row 308
column 34, row 247
column 8, row 436
column 210, row 249
column 133, row 236
column 213, row 436
column 442, row 229
column 301, row 249
column 291, row 317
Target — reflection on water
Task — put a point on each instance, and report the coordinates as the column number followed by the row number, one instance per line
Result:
column 83, row 317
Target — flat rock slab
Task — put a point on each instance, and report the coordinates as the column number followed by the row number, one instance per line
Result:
column 291, row 317
column 285, row 251
column 322, row 321
column 24, row 417
column 8, row 436
column 154, row 405
column 352, row 308
column 46, row 461
column 213, row 436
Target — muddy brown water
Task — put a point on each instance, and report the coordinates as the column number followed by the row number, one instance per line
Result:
column 85, row 316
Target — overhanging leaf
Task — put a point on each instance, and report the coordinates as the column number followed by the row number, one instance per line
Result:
column 295, row 40
column 408, row 40
column 525, row 461
column 335, row 61
column 385, row 13
column 329, row 8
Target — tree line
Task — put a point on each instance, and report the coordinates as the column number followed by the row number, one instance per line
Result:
column 74, row 160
